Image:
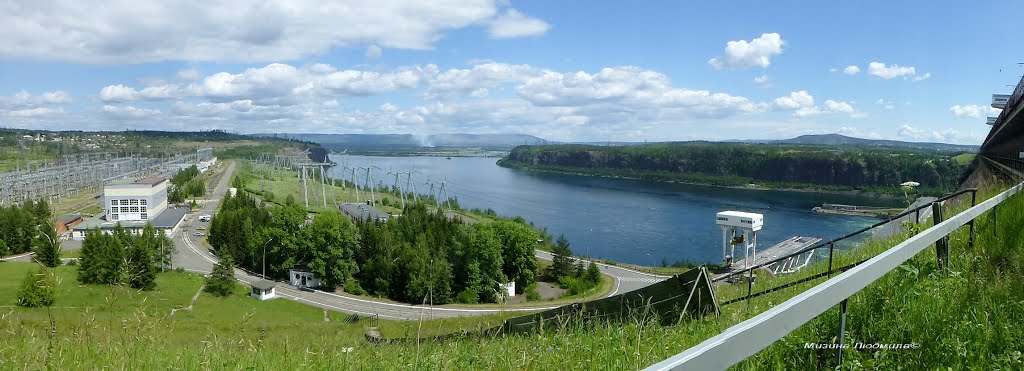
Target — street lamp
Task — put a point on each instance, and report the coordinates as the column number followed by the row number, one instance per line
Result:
column 265, row 257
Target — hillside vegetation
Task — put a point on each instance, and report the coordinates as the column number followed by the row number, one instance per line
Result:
column 727, row 164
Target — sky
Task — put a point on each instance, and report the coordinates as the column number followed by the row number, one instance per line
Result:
column 564, row 71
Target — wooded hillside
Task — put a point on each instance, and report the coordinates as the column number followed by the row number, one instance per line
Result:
column 739, row 164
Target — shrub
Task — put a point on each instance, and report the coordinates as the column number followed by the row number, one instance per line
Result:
column 531, row 292
column 468, row 296
column 222, row 281
column 37, row 289
column 353, row 287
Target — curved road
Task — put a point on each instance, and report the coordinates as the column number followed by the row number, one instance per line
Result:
column 194, row 255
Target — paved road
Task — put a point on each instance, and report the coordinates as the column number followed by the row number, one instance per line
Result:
column 194, row 255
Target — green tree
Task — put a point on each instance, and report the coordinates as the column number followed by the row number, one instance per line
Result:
column 4, row 250
column 289, row 200
column 561, row 263
column 141, row 273
column 518, row 242
column 331, row 240
column 593, row 273
column 47, row 245
column 37, row 289
column 222, row 281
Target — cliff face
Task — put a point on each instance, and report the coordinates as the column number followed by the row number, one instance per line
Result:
column 818, row 166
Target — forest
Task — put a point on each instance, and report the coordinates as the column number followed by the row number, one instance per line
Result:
column 420, row 256
column 19, row 225
column 737, row 164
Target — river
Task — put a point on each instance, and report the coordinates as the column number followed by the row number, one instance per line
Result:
column 632, row 221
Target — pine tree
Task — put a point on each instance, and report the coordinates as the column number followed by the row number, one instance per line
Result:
column 37, row 289
column 222, row 281
column 141, row 273
column 47, row 246
column 561, row 263
column 593, row 273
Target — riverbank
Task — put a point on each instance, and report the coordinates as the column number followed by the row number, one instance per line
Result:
column 725, row 182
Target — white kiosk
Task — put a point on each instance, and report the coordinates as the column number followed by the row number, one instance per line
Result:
column 739, row 228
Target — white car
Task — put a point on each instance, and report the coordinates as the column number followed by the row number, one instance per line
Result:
column 199, row 234
column 204, row 218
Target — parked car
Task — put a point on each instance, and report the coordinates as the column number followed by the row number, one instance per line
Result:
column 201, row 228
column 199, row 234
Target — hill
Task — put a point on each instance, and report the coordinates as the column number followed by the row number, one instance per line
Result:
column 842, row 140
column 410, row 142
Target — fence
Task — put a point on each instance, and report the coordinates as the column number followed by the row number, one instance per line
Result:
column 831, row 246
column 751, row 336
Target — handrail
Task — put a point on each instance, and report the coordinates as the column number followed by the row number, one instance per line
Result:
column 822, row 245
column 751, row 336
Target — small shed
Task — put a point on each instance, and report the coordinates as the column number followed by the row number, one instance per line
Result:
column 66, row 222
column 301, row 276
column 263, row 289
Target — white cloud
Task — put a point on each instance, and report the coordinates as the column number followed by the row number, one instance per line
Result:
column 755, row 53
column 123, row 31
column 189, row 74
column 973, row 111
column 512, row 23
column 24, row 99
column 907, row 132
column 121, row 93
column 829, row 107
column 885, row 104
column 762, row 80
column 373, row 51
column 853, row 131
column 39, row 111
column 124, row 112
column 889, row 72
column 794, row 100
column 851, row 70
column 927, row 75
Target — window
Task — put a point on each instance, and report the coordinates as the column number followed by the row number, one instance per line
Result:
column 113, row 202
column 113, row 216
column 133, row 202
column 142, row 208
column 143, row 202
column 134, row 209
column 124, row 209
column 145, row 216
column 722, row 218
column 296, row 276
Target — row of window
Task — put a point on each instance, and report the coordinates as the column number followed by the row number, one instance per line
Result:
column 128, row 209
column 115, row 217
column 129, row 202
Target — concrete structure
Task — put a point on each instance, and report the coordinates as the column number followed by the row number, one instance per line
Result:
column 132, row 204
column 509, row 289
column 136, row 200
column 301, row 276
column 999, row 100
column 233, row 191
column 747, row 225
column 263, row 289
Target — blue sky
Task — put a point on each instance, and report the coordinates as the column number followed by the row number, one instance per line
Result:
column 568, row 70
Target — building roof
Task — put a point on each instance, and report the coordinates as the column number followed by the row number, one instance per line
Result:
column 263, row 284
column 741, row 214
column 363, row 211
column 69, row 218
column 166, row 219
column 150, row 180
column 301, row 268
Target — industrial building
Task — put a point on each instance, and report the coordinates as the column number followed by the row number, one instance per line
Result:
column 133, row 204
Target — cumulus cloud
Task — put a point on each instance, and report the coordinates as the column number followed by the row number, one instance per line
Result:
column 512, row 23
column 122, row 93
column 38, row 111
column 123, row 31
column 911, row 133
column 24, row 99
column 124, row 112
column 755, row 53
column 925, row 76
column 762, row 80
column 885, row 104
column 795, row 100
column 851, row 70
column 887, row 72
column 973, row 111
column 829, row 107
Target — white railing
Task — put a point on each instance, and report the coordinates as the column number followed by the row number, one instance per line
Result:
column 751, row 336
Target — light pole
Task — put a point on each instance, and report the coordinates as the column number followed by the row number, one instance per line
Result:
column 265, row 257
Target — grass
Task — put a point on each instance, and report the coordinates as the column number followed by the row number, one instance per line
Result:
column 964, row 159
column 967, row 320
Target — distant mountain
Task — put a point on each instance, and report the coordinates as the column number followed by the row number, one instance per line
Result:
column 839, row 139
column 409, row 142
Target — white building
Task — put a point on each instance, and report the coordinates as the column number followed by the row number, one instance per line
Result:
column 263, row 289
column 301, row 276
column 739, row 228
column 132, row 204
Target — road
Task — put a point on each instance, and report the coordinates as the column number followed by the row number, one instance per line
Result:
column 194, row 255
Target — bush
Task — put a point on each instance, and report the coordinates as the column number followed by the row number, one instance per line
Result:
column 73, row 262
column 37, row 289
column 468, row 296
column 353, row 287
column 531, row 293
column 222, row 281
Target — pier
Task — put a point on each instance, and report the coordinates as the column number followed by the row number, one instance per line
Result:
column 786, row 247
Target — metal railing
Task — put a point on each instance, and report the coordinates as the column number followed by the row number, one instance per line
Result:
column 831, row 246
column 751, row 336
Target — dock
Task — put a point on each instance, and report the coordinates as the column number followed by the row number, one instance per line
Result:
column 786, row 247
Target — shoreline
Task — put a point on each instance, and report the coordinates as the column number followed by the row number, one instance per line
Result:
column 747, row 187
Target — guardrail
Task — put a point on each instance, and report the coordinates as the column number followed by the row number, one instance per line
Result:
column 751, row 336
column 831, row 245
